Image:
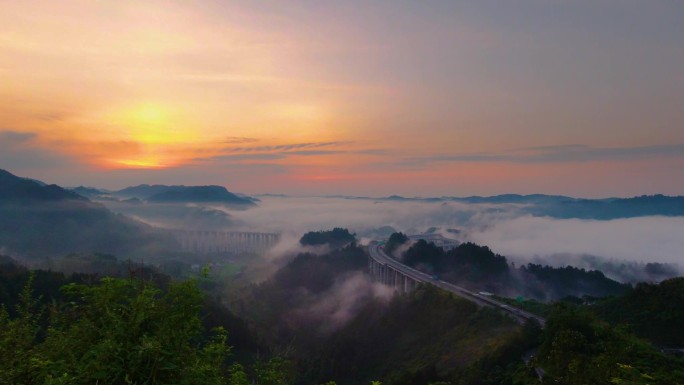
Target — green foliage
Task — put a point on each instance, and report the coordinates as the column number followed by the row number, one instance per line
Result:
column 466, row 263
column 426, row 254
column 237, row 375
column 479, row 267
column 336, row 237
column 426, row 336
column 395, row 240
column 653, row 311
column 17, row 337
column 558, row 282
column 578, row 348
column 504, row 365
column 275, row 371
column 530, row 305
column 296, row 286
column 120, row 331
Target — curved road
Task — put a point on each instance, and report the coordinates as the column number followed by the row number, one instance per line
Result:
column 378, row 254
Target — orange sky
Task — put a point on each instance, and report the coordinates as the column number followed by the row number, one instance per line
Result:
column 309, row 97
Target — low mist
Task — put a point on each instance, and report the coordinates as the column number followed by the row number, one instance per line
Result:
column 644, row 239
column 507, row 228
column 342, row 302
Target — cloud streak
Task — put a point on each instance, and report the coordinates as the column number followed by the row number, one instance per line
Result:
column 559, row 154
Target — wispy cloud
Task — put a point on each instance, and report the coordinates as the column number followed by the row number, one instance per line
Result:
column 241, row 157
column 10, row 137
column 557, row 154
column 282, row 151
column 19, row 152
column 239, row 140
column 285, row 147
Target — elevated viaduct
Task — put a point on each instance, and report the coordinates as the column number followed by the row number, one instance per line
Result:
column 204, row 242
column 391, row 272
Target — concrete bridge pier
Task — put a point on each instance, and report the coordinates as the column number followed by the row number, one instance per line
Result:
column 388, row 276
column 202, row 241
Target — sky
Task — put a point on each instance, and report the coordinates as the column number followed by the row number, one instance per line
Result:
column 430, row 98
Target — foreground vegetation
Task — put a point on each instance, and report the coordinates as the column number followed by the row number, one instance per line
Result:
column 318, row 320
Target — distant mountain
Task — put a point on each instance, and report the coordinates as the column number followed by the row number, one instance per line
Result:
column 399, row 198
column 40, row 182
column 514, row 198
column 213, row 194
column 143, row 191
column 614, row 208
column 43, row 221
column 269, row 195
column 17, row 190
column 88, row 192
column 181, row 194
column 564, row 207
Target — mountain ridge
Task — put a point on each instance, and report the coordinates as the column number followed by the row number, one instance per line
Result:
column 181, row 193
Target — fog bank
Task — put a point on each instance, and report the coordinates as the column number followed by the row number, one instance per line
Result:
column 506, row 228
column 643, row 239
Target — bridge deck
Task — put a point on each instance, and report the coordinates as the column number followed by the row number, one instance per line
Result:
column 378, row 256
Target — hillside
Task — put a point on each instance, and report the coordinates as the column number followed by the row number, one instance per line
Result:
column 184, row 194
column 653, row 311
column 423, row 337
column 39, row 221
column 479, row 268
column 17, row 190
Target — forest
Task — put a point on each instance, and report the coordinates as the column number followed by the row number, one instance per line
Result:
column 305, row 325
column 478, row 267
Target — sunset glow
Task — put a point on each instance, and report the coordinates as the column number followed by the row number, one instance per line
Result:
column 139, row 163
column 293, row 98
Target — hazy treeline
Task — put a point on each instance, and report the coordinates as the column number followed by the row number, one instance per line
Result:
column 479, row 268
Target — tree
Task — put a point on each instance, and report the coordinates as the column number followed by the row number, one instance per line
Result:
column 395, row 240
column 122, row 331
column 335, row 238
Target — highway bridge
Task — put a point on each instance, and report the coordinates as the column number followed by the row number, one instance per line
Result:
column 390, row 271
column 203, row 242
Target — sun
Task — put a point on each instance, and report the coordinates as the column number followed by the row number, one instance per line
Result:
column 152, row 123
column 148, row 163
column 157, row 134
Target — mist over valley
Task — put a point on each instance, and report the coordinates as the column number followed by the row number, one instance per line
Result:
column 341, row 192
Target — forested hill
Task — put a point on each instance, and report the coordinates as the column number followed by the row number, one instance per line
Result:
column 429, row 336
column 335, row 238
column 184, row 194
column 17, row 190
column 613, row 208
column 46, row 287
column 479, row 268
column 82, row 329
column 653, row 311
column 318, row 319
column 38, row 220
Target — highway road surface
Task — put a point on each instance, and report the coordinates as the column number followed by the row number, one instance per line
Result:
column 378, row 254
